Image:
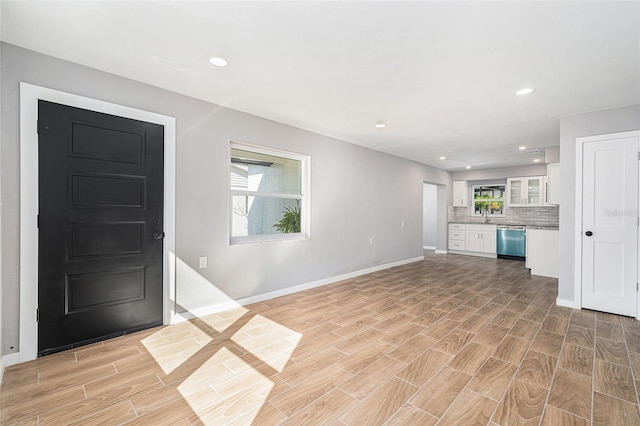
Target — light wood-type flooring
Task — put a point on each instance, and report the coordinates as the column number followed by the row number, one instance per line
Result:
column 451, row 340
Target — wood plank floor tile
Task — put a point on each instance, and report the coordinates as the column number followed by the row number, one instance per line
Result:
column 363, row 383
column 571, row 392
column 577, row 358
column 460, row 414
column 581, row 336
column 547, row 343
column 612, row 351
column 608, row 411
column 556, row 324
column 298, row 397
column 470, row 358
column 118, row 413
column 491, row 335
column 583, row 318
column 324, row 410
column 537, row 369
column 522, row 404
column 614, row 380
column 512, row 349
column 381, row 404
column 493, row 378
column 610, row 331
column 506, row 318
column 410, row 415
column 412, row 348
column 441, row 328
column 436, row 396
column 453, row 342
column 554, row 417
column 422, row 369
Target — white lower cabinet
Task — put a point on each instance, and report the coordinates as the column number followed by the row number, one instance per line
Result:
column 473, row 239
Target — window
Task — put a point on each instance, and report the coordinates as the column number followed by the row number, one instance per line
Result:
column 268, row 195
column 488, row 200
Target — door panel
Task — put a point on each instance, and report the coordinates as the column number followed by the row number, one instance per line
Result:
column 100, row 203
column 609, row 234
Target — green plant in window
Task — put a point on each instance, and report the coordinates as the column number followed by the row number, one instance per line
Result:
column 290, row 221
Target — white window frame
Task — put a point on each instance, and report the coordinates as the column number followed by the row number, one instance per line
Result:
column 304, row 197
column 504, row 200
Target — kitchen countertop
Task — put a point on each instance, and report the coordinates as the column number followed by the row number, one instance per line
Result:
column 543, row 227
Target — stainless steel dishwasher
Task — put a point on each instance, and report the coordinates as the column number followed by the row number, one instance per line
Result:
column 511, row 242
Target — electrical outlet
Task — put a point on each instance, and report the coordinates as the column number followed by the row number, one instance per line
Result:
column 402, row 224
column 203, row 262
column 371, row 241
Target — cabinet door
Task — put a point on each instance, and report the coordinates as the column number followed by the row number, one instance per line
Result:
column 553, row 183
column 533, row 191
column 460, row 193
column 473, row 242
column 489, row 242
column 515, row 189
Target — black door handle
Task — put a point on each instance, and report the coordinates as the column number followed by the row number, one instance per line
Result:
column 588, row 233
column 158, row 235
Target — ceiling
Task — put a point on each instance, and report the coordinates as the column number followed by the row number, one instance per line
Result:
column 441, row 75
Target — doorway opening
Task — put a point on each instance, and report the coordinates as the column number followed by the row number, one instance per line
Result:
column 434, row 217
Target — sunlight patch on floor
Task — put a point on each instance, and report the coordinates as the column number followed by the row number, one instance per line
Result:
column 267, row 340
column 173, row 345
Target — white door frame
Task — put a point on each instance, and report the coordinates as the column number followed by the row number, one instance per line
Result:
column 29, row 96
column 578, row 213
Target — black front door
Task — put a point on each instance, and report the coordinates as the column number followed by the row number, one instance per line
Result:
column 100, row 226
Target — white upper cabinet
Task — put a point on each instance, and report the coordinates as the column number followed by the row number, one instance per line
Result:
column 553, row 184
column 525, row 191
column 460, row 195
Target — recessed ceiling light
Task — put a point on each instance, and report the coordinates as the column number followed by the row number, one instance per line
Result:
column 380, row 125
column 468, row 167
column 443, row 158
column 526, row 91
column 522, row 148
column 218, row 62
column 537, row 160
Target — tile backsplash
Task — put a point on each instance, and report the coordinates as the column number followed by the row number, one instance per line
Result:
column 532, row 216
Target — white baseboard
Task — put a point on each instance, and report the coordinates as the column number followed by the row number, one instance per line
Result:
column 429, row 247
column 220, row 307
column 567, row 303
column 441, row 251
column 10, row 359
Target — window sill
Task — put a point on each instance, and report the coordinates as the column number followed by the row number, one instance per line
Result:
column 262, row 239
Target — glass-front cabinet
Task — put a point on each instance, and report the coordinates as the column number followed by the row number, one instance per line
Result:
column 525, row 191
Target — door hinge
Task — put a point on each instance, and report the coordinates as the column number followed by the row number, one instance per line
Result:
column 37, row 315
column 38, row 221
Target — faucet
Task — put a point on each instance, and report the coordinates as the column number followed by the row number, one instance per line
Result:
column 485, row 213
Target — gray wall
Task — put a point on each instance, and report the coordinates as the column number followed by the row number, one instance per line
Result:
column 430, row 215
column 356, row 193
column 595, row 123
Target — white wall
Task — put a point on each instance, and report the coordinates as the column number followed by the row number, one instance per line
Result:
column 595, row 123
column 430, row 215
column 356, row 193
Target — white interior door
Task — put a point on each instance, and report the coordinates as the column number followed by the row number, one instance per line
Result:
column 609, row 225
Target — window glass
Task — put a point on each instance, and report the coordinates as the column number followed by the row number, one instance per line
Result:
column 488, row 200
column 267, row 194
